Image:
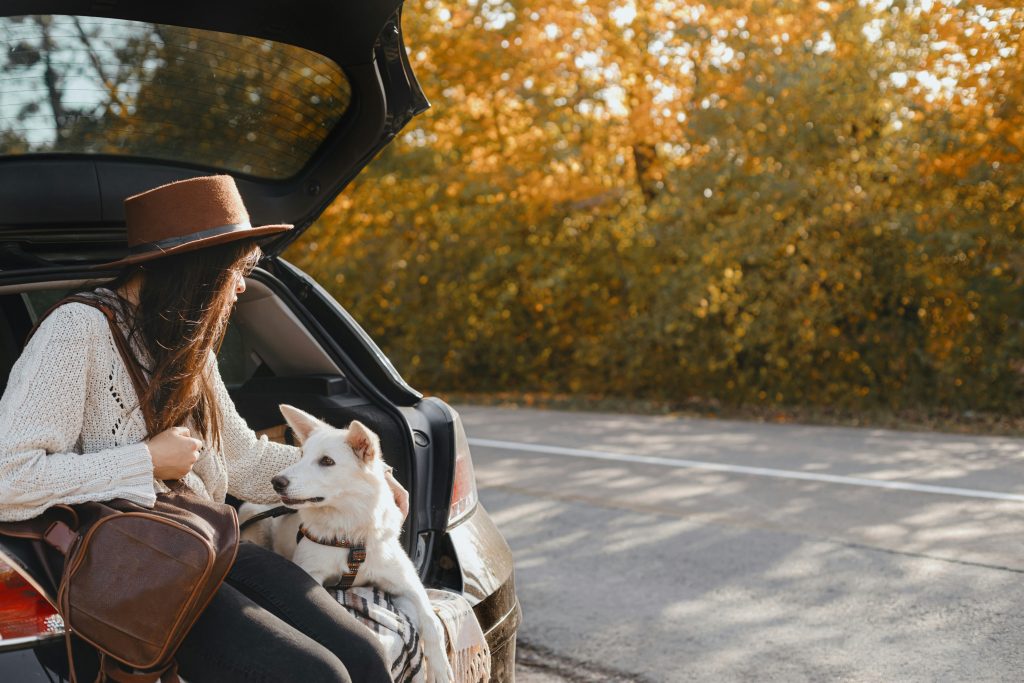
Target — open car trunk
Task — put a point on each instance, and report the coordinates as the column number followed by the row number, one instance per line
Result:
column 268, row 358
column 281, row 348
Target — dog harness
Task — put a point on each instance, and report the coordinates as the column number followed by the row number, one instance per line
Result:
column 356, row 556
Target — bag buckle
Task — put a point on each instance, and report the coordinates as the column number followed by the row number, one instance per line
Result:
column 60, row 536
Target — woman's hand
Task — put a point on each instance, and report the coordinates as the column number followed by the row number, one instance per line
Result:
column 173, row 452
column 400, row 494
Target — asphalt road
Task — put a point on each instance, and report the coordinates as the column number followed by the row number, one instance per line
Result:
column 669, row 549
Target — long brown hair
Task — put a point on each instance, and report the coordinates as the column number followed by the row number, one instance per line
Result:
column 185, row 301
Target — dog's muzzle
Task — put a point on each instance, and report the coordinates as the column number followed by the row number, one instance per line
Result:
column 280, row 484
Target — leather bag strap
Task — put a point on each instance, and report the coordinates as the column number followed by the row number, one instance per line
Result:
column 48, row 523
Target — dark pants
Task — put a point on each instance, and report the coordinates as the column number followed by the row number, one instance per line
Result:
column 270, row 621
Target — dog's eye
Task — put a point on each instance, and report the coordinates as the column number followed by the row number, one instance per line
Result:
column 326, row 461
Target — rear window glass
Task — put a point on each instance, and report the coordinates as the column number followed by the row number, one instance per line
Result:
column 87, row 85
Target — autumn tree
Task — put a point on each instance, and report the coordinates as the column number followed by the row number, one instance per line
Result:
column 779, row 202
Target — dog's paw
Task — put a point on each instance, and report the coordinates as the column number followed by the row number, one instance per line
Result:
column 439, row 669
column 439, row 674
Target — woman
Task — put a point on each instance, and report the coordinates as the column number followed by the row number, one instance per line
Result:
column 75, row 431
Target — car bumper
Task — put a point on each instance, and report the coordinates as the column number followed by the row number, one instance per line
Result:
column 488, row 577
column 501, row 636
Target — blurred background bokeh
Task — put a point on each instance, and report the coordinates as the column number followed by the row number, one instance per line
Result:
column 787, row 202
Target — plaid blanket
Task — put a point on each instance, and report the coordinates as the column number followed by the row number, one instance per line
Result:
column 467, row 649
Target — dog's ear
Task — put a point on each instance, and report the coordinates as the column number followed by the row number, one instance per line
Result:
column 362, row 441
column 301, row 422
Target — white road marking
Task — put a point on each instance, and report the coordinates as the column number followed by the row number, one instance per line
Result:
column 744, row 469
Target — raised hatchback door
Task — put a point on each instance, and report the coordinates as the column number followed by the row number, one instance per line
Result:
column 99, row 100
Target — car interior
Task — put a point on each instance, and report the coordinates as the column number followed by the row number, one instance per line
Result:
column 268, row 357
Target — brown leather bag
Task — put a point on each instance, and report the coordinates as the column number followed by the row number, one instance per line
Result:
column 135, row 579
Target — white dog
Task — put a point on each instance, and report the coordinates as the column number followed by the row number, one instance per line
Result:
column 339, row 491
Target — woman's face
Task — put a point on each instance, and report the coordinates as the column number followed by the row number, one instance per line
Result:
column 239, row 286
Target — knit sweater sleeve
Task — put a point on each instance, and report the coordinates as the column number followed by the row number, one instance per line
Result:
column 252, row 461
column 42, row 412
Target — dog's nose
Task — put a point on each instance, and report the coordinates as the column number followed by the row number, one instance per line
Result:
column 279, row 483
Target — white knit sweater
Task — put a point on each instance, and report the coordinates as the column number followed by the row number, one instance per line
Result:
column 71, row 432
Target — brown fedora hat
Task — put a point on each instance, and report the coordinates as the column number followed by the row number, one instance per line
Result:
column 184, row 216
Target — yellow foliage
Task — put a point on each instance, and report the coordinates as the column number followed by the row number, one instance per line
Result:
column 788, row 202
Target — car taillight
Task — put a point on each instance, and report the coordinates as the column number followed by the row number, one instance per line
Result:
column 464, row 495
column 24, row 613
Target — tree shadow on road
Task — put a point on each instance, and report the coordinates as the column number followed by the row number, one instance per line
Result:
column 696, row 575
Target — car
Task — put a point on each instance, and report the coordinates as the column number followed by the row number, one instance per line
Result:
column 100, row 100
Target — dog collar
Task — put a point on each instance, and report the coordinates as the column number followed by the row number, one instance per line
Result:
column 356, row 556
